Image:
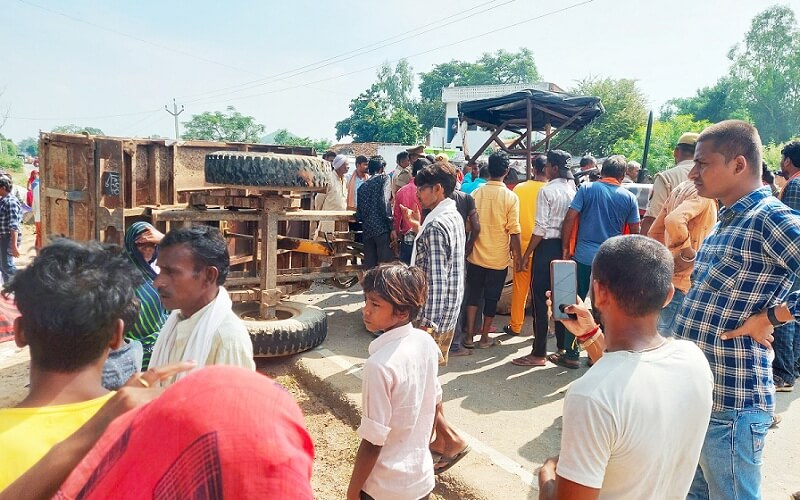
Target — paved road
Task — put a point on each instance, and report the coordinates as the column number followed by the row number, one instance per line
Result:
column 511, row 414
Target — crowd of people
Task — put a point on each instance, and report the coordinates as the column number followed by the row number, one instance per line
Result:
column 688, row 316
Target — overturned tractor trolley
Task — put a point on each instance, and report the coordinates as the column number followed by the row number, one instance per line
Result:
column 259, row 196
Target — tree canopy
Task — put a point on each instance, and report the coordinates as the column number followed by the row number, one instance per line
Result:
column 231, row 126
column 29, row 146
column 286, row 138
column 77, row 129
column 763, row 83
column 501, row 67
column 626, row 111
column 663, row 138
column 385, row 112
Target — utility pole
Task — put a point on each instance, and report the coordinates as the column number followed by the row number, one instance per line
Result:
column 174, row 114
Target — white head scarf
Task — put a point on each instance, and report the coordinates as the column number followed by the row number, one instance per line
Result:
column 339, row 161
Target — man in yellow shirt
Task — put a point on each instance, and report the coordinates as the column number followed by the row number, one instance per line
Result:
column 74, row 300
column 528, row 193
column 487, row 265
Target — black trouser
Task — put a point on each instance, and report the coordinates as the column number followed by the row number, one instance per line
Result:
column 377, row 251
column 546, row 252
column 488, row 281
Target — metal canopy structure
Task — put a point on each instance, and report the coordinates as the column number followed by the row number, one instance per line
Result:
column 529, row 111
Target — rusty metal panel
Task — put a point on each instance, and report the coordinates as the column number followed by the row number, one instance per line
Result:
column 67, row 201
column 109, row 173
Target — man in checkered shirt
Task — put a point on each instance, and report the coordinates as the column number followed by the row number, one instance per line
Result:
column 10, row 220
column 439, row 251
column 740, row 291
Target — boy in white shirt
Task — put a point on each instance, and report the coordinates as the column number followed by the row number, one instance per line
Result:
column 400, row 390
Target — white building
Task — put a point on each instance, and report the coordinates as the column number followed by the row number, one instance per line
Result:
column 450, row 136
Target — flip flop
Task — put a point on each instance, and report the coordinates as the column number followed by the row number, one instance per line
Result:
column 493, row 343
column 466, row 345
column 450, row 461
column 526, row 361
column 461, row 352
column 561, row 360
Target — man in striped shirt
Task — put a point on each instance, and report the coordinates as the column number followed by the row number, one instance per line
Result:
column 740, row 291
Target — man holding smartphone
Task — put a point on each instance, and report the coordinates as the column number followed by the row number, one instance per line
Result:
column 545, row 246
column 619, row 436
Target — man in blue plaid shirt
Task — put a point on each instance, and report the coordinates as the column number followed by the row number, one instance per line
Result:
column 787, row 337
column 740, row 291
column 10, row 220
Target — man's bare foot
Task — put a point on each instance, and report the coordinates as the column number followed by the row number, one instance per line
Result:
column 462, row 351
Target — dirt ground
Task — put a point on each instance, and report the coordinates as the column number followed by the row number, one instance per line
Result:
column 335, row 441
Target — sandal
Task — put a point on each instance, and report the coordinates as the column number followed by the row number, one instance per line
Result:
column 528, row 361
column 492, row 343
column 560, row 359
column 447, row 462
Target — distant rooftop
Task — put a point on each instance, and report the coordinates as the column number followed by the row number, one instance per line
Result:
column 475, row 92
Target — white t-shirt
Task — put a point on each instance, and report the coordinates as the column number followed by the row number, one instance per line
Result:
column 400, row 390
column 634, row 424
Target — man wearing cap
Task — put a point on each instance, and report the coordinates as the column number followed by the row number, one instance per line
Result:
column 335, row 198
column 666, row 181
column 599, row 211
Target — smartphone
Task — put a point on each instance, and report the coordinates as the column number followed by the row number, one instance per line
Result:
column 563, row 287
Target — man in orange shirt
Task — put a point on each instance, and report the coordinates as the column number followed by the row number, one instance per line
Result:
column 528, row 193
column 683, row 223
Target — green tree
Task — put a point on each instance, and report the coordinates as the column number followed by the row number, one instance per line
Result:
column 663, row 139
column 724, row 100
column 75, row 129
column 8, row 155
column 286, row 138
column 625, row 111
column 225, row 127
column 385, row 112
column 29, row 146
column 501, row 67
column 768, row 66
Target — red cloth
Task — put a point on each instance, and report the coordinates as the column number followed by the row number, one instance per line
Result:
column 406, row 196
column 221, row 432
column 8, row 313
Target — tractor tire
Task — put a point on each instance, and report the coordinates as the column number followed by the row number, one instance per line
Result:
column 268, row 170
column 297, row 328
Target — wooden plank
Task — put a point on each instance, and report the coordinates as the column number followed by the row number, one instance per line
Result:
column 317, row 215
column 205, row 215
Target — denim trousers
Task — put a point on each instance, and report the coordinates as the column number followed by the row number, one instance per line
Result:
column 730, row 463
column 7, row 267
column 787, row 352
column 666, row 320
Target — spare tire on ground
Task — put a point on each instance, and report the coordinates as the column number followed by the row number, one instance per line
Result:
column 297, row 328
column 235, row 168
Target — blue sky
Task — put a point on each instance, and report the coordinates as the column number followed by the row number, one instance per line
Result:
column 86, row 61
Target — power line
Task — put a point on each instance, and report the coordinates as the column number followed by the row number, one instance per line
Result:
column 513, row 25
column 415, row 32
column 82, row 117
column 137, row 38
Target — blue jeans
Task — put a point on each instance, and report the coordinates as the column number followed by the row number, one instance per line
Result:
column 666, row 320
column 7, row 267
column 730, row 463
column 406, row 250
column 787, row 351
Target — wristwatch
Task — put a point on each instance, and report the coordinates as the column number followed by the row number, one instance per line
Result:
column 774, row 319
